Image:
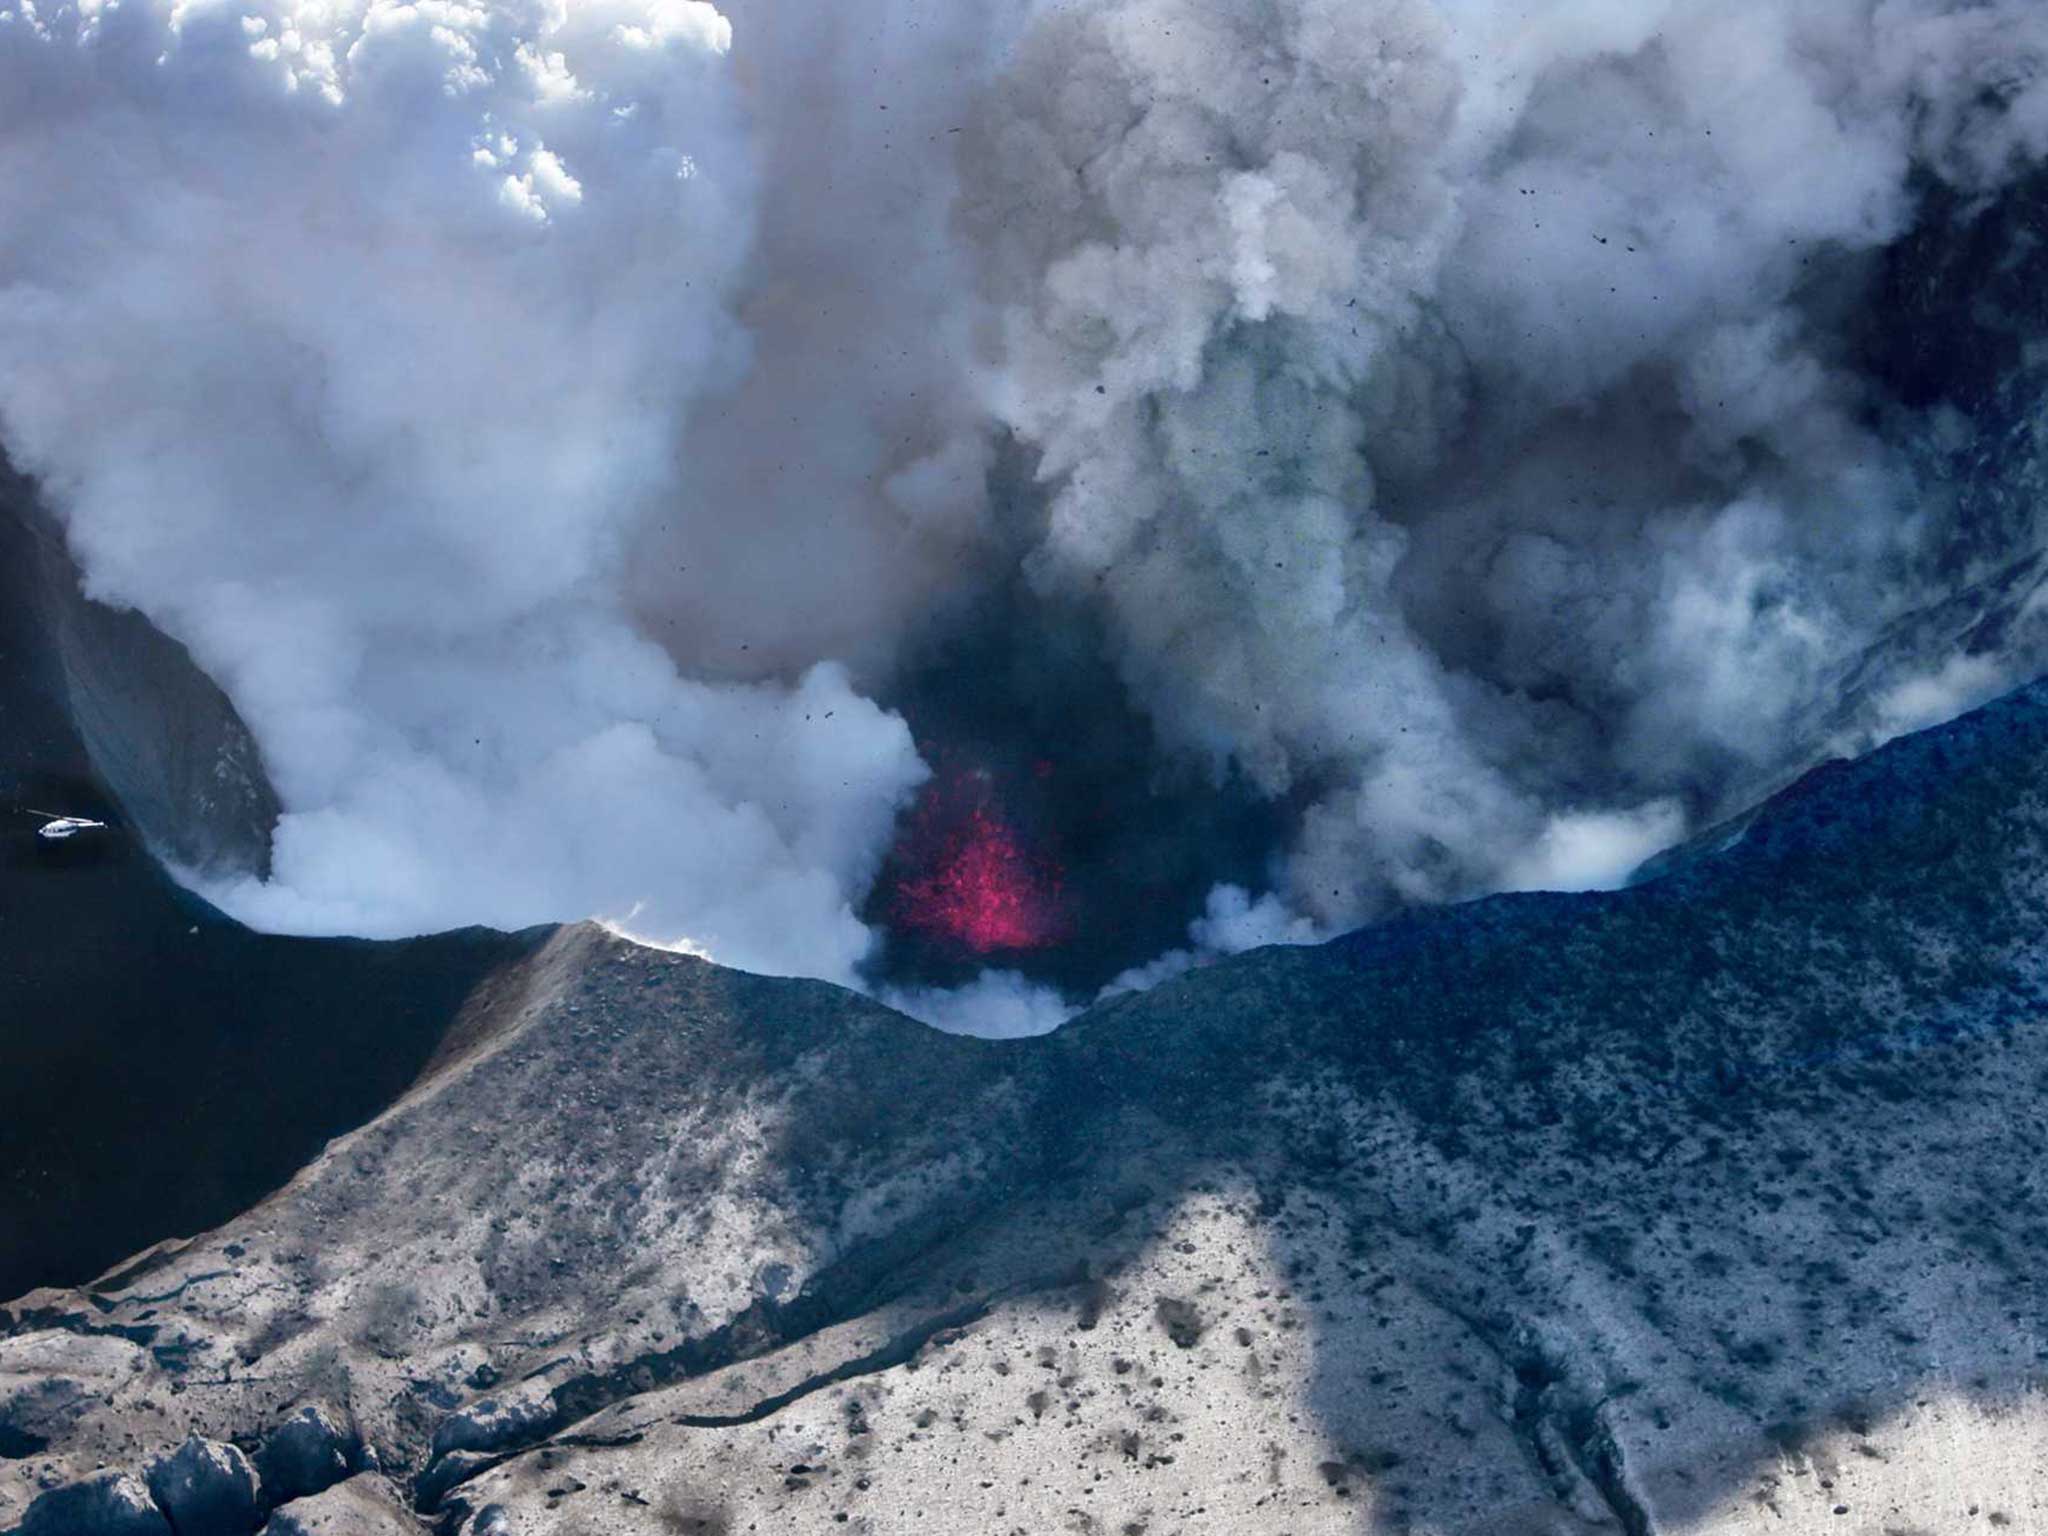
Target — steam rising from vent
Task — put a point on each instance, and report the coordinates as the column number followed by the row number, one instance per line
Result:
column 1376, row 451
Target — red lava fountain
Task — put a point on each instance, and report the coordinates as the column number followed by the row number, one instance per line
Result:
column 969, row 878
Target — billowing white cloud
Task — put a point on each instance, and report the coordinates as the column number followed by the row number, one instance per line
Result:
column 1928, row 698
column 1596, row 850
column 353, row 342
column 555, row 427
column 996, row 1005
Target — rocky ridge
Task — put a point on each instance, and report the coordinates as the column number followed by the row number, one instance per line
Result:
column 1712, row 1205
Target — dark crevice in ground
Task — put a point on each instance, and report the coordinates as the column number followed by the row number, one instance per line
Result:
column 1556, row 1421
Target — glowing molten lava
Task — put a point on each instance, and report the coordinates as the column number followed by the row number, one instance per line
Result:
column 969, row 879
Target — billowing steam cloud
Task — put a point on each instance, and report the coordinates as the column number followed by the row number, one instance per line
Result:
column 572, row 434
column 352, row 343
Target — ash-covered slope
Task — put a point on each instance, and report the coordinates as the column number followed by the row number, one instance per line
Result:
column 1711, row 1205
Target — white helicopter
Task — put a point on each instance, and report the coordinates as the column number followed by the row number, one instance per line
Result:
column 57, row 829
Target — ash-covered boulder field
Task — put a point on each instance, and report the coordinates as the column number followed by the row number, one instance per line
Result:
column 1711, row 1205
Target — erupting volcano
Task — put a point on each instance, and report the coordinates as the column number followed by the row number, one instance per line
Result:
column 969, row 878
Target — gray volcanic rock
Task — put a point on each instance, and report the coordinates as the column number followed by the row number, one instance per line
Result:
column 161, row 734
column 365, row 1505
column 206, row 1489
column 308, row 1453
column 109, row 1504
column 1708, row 1206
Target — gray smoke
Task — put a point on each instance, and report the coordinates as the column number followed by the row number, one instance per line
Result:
column 1449, row 406
column 563, row 433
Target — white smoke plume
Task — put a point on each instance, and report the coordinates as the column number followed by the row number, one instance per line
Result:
column 560, row 428
column 352, row 343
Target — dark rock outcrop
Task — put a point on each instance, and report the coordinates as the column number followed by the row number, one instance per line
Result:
column 365, row 1505
column 111, row 1504
column 206, row 1488
column 307, row 1454
column 159, row 734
